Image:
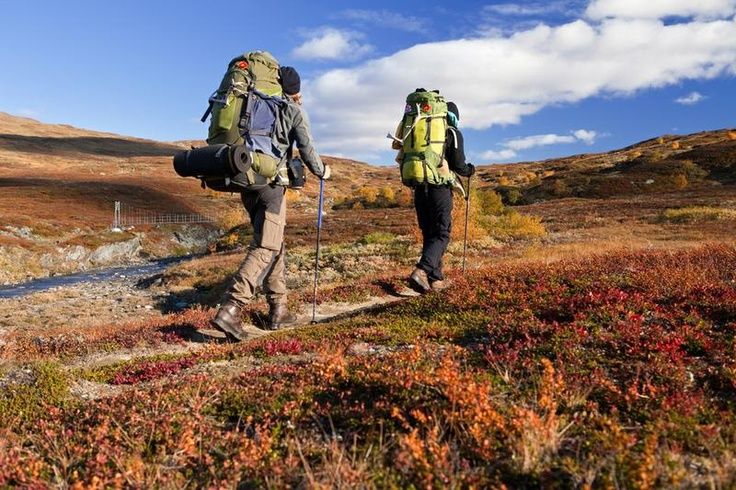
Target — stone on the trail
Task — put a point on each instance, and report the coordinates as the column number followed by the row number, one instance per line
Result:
column 360, row 349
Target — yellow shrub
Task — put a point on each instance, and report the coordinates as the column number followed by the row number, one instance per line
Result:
column 476, row 230
column 368, row 194
column 387, row 193
column 489, row 201
column 231, row 218
column 515, row 225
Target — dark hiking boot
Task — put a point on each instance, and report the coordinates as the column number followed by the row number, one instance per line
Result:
column 227, row 321
column 280, row 317
column 419, row 281
column 439, row 285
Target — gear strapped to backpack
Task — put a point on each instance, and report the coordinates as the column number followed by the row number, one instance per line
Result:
column 422, row 137
column 246, row 109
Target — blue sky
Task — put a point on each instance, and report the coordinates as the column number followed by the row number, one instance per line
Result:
column 533, row 80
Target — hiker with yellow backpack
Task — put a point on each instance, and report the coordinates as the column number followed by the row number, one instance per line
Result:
column 431, row 155
column 256, row 119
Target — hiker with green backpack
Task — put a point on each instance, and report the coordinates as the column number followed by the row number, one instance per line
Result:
column 256, row 119
column 431, row 155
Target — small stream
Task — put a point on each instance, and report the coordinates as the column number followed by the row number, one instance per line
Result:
column 128, row 272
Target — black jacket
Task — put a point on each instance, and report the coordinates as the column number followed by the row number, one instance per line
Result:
column 455, row 152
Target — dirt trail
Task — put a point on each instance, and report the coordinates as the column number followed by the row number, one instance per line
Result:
column 123, row 299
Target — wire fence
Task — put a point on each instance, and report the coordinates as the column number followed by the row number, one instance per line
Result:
column 125, row 216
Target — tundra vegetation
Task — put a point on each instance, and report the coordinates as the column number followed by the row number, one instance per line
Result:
column 589, row 344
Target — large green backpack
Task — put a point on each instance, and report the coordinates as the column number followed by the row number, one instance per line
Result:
column 423, row 134
column 257, row 69
column 245, row 110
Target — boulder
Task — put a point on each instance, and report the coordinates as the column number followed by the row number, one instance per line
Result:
column 116, row 252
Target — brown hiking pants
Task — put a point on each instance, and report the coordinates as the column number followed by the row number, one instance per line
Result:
column 264, row 263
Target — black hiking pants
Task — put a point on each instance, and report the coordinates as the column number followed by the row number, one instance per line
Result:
column 434, row 213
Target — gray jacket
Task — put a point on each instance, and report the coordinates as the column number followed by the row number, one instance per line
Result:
column 294, row 128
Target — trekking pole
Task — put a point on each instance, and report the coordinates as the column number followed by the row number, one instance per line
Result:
column 467, row 211
column 316, row 259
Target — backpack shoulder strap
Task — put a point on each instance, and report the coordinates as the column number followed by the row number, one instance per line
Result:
column 454, row 135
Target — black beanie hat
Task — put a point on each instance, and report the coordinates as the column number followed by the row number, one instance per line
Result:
column 290, row 80
column 452, row 107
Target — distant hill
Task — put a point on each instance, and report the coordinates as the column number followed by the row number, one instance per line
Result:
column 30, row 149
column 665, row 164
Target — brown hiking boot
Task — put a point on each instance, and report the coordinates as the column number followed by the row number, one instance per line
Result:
column 280, row 317
column 419, row 281
column 227, row 321
column 439, row 285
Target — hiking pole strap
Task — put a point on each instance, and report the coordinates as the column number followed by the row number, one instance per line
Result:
column 316, row 258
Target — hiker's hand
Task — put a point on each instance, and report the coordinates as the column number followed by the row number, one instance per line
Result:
column 472, row 169
column 327, row 173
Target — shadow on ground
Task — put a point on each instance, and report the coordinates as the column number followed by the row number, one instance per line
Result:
column 91, row 145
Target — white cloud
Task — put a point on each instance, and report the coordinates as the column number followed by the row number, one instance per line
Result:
column 530, row 9
column 385, row 18
column 512, row 147
column 586, row 136
column 331, row 44
column 539, row 140
column 498, row 156
column 499, row 79
column 691, row 99
column 657, row 9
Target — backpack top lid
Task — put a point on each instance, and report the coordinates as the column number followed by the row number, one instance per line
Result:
column 262, row 68
column 426, row 103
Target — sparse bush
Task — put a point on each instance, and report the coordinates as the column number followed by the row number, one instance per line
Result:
column 698, row 213
column 513, row 196
column 377, row 237
column 560, row 188
column 679, row 181
column 515, row 225
column 476, row 218
column 489, row 202
column 234, row 216
column 368, row 195
column 24, row 401
column 404, row 198
column 387, row 194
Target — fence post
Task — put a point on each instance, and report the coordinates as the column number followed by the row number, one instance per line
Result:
column 116, row 225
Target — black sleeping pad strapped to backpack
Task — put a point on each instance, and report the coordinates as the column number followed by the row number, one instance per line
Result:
column 213, row 160
column 246, row 110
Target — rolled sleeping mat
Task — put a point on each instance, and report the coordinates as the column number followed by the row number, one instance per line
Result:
column 240, row 160
column 212, row 161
